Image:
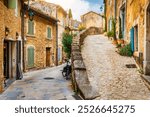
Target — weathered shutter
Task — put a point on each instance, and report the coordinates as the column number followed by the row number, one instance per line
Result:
column 32, row 24
column 59, row 54
column 31, row 57
column 12, row 4
column 49, row 32
column 30, row 27
column 132, row 38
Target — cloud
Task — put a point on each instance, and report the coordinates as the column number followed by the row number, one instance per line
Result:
column 78, row 7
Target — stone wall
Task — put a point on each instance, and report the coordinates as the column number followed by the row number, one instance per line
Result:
column 1, row 44
column 92, row 19
column 10, row 19
column 80, row 79
column 40, row 42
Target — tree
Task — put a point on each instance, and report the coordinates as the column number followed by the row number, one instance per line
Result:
column 70, row 14
column 67, row 41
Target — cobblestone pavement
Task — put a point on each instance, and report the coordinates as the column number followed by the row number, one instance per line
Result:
column 107, row 71
column 34, row 87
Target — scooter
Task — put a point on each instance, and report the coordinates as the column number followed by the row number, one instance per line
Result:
column 66, row 72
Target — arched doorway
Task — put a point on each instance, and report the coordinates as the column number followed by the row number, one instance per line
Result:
column 147, row 42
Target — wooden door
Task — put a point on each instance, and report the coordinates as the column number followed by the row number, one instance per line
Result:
column 48, row 57
column 6, row 60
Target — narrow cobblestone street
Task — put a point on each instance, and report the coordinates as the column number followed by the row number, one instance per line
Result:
column 107, row 71
column 34, row 87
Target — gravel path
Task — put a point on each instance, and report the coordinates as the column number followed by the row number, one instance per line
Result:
column 107, row 71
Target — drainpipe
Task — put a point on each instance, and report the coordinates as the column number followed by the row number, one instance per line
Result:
column 115, row 17
column 22, row 33
column 56, row 40
column 105, row 15
column 115, row 10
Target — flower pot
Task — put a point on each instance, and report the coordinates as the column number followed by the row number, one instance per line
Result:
column 115, row 42
column 120, row 41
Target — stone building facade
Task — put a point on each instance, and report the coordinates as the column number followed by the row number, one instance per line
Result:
column 40, row 44
column 10, row 41
column 92, row 19
column 61, row 15
column 135, row 20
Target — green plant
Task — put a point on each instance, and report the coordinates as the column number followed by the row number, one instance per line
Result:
column 110, row 34
column 118, row 46
column 81, row 27
column 114, row 28
column 120, row 30
column 67, row 41
column 126, row 51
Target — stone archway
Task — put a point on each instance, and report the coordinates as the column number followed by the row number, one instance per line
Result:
column 147, row 42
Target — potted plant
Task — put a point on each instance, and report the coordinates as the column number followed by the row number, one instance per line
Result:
column 109, row 34
column 120, row 40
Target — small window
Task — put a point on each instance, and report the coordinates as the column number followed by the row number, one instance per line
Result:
column 49, row 32
column 30, row 27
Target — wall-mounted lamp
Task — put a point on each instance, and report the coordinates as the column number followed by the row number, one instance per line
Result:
column 31, row 15
column 7, row 31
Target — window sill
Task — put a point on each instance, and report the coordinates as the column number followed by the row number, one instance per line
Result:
column 33, row 36
column 48, row 38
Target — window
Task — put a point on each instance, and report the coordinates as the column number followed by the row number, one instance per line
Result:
column 30, row 27
column 49, row 33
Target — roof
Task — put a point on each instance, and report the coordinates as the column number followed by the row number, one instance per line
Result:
column 45, row 16
column 37, row 8
column 91, row 12
column 59, row 7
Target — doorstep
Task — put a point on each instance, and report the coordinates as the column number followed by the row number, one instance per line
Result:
column 147, row 80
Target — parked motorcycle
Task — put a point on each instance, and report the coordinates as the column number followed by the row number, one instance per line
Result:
column 66, row 72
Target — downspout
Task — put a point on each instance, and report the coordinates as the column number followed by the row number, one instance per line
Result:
column 115, row 17
column 22, row 34
column 115, row 10
column 105, row 16
column 56, row 39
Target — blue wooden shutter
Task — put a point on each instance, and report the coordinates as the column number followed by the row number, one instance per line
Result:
column 132, row 39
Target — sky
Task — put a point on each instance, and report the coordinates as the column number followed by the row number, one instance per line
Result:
column 79, row 7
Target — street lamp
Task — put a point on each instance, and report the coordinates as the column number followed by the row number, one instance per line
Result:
column 31, row 15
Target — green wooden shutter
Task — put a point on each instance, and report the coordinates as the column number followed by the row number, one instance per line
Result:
column 31, row 57
column 30, row 27
column 48, row 32
column 12, row 4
